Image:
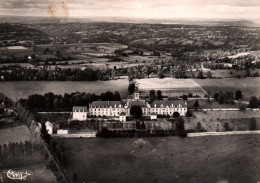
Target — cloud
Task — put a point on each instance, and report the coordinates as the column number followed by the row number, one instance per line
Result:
column 137, row 8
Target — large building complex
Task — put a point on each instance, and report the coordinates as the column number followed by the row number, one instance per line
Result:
column 122, row 108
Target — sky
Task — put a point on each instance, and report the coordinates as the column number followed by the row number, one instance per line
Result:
column 169, row 9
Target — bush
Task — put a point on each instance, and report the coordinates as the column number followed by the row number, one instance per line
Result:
column 188, row 114
column 196, row 104
column 143, row 126
column 176, row 114
column 190, row 131
column 227, row 127
column 137, row 125
column 180, row 129
column 238, row 95
column 242, row 108
column 199, row 128
column 252, row 124
column 253, row 103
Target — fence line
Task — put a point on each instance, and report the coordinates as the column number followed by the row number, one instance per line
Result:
column 227, row 109
column 223, row 133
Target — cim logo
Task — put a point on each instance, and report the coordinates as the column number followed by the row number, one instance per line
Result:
column 16, row 175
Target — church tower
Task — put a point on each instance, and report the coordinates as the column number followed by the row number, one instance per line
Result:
column 136, row 94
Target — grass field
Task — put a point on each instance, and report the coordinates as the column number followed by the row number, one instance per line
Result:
column 35, row 164
column 15, row 134
column 19, row 89
column 169, row 159
column 204, row 104
column 214, row 121
column 248, row 86
column 170, row 86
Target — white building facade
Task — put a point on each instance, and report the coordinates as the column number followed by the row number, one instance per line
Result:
column 115, row 108
column 79, row 113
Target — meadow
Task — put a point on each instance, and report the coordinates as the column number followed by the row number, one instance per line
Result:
column 35, row 163
column 22, row 89
column 249, row 86
column 213, row 121
column 170, row 86
column 165, row 159
column 15, row 134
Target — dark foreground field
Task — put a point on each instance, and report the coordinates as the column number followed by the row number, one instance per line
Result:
column 167, row 159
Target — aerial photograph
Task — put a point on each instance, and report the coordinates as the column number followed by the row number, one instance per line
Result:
column 139, row 91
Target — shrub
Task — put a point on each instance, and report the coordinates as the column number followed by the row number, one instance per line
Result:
column 227, row 127
column 196, row 104
column 137, row 125
column 253, row 103
column 238, row 95
column 180, row 128
column 242, row 108
column 252, row 124
column 176, row 114
column 190, row 131
column 188, row 114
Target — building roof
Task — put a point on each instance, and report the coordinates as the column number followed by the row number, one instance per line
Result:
column 169, row 103
column 107, row 104
column 80, row 109
column 140, row 103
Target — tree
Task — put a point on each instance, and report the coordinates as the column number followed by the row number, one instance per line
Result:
column 75, row 177
column 138, row 125
column 136, row 111
column 58, row 54
column 46, row 50
column 152, row 95
column 253, row 103
column 159, row 95
column 216, row 96
column 196, row 104
column 143, row 126
column 184, row 97
column 188, row 114
column 227, row 127
column 117, row 96
column 176, row 114
column 238, row 95
column 199, row 127
column 180, row 128
column 33, row 56
column 161, row 75
column 252, row 124
column 56, row 103
column 131, row 88
column 77, row 100
column 209, row 74
column 200, row 75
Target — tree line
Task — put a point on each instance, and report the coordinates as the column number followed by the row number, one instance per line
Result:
column 18, row 153
column 23, row 74
column 51, row 102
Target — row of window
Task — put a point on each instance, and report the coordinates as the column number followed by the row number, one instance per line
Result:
column 102, row 109
column 146, row 112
